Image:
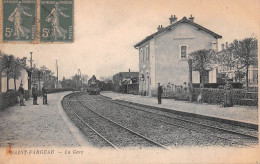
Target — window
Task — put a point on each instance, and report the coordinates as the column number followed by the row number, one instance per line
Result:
column 183, row 51
column 141, row 53
column 144, row 54
column 147, row 53
column 255, row 76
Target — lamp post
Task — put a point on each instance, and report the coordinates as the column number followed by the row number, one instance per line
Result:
column 190, row 78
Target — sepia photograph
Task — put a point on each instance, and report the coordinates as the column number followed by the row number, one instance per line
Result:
column 119, row 81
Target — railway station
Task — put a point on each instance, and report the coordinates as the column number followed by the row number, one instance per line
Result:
column 116, row 120
column 129, row 81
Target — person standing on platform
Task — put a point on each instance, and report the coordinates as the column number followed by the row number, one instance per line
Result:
column 228, row 99
column 44, row 94
column 21, row 95
column 34, row 93
column 159, row 93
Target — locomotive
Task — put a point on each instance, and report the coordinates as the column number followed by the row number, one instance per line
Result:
column 93, row 86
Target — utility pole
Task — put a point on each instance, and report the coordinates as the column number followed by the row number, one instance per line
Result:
column 31, row 60
column 57, row 68
column 80, row 79
column 30, row 75
column 190, row 79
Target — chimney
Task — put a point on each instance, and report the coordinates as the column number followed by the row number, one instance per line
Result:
column 129, row 69
column 226, row 45
column 173, row 19
column 191, row 18
column 160, row 27
column 223, row 46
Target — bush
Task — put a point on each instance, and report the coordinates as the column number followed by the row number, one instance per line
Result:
column 217, row 85
column 55, row 90
column 216, row 96
column 178, row 95
column 8, row 99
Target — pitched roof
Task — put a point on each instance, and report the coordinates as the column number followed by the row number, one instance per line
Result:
column 183, row 20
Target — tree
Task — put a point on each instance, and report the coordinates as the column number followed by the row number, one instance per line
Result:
column 84, row 79
column 66, row 83
column 6, row 67
column 201, row 61
column 16, row 69
column 46, row 75
column 245, row 51
column 76, row 80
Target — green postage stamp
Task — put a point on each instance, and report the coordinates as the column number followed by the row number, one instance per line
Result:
column 56, row 21
column 19, row 20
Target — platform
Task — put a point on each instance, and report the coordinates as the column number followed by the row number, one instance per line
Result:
column 38, row 125
column 246, row 114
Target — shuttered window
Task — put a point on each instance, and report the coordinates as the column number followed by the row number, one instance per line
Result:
column 147, row 53
column 141, row 54
column 144, row 54
column 183, row 51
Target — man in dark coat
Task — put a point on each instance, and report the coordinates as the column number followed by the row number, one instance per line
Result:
column 44, row 94
column 21, row 94
column 159, row 93
column 34, row 93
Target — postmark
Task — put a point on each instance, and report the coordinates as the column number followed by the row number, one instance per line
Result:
column 56, row 21
column 19, row 20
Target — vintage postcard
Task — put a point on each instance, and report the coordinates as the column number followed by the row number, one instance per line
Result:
column 119, row 81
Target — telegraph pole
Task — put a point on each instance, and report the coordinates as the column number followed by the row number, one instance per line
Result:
column 57, row 68
column 79, row 74
column 31, row 60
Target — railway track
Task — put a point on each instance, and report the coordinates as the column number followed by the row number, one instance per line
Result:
column 109, row 121
column 100, row 135
column 253, row 137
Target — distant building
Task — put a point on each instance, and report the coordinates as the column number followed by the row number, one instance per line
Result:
column 228, row 69
column 122, row 81
column 163, row 55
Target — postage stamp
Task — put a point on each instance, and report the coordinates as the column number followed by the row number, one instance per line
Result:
column 19, row 20
column 56, row 21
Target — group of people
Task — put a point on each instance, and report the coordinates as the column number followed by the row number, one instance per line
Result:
column 34, row 94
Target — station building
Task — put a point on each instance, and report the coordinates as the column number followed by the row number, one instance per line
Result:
column 126, row 82
column 163, row 55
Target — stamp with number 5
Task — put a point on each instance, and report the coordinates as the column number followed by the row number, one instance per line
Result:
column 56, row 21
column 19, row 21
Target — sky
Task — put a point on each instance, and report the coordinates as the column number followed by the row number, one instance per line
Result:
column 107, row 30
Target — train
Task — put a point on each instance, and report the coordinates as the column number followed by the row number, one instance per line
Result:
column 93, row 86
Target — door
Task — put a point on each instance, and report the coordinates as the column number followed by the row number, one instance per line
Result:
column 205, row 77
